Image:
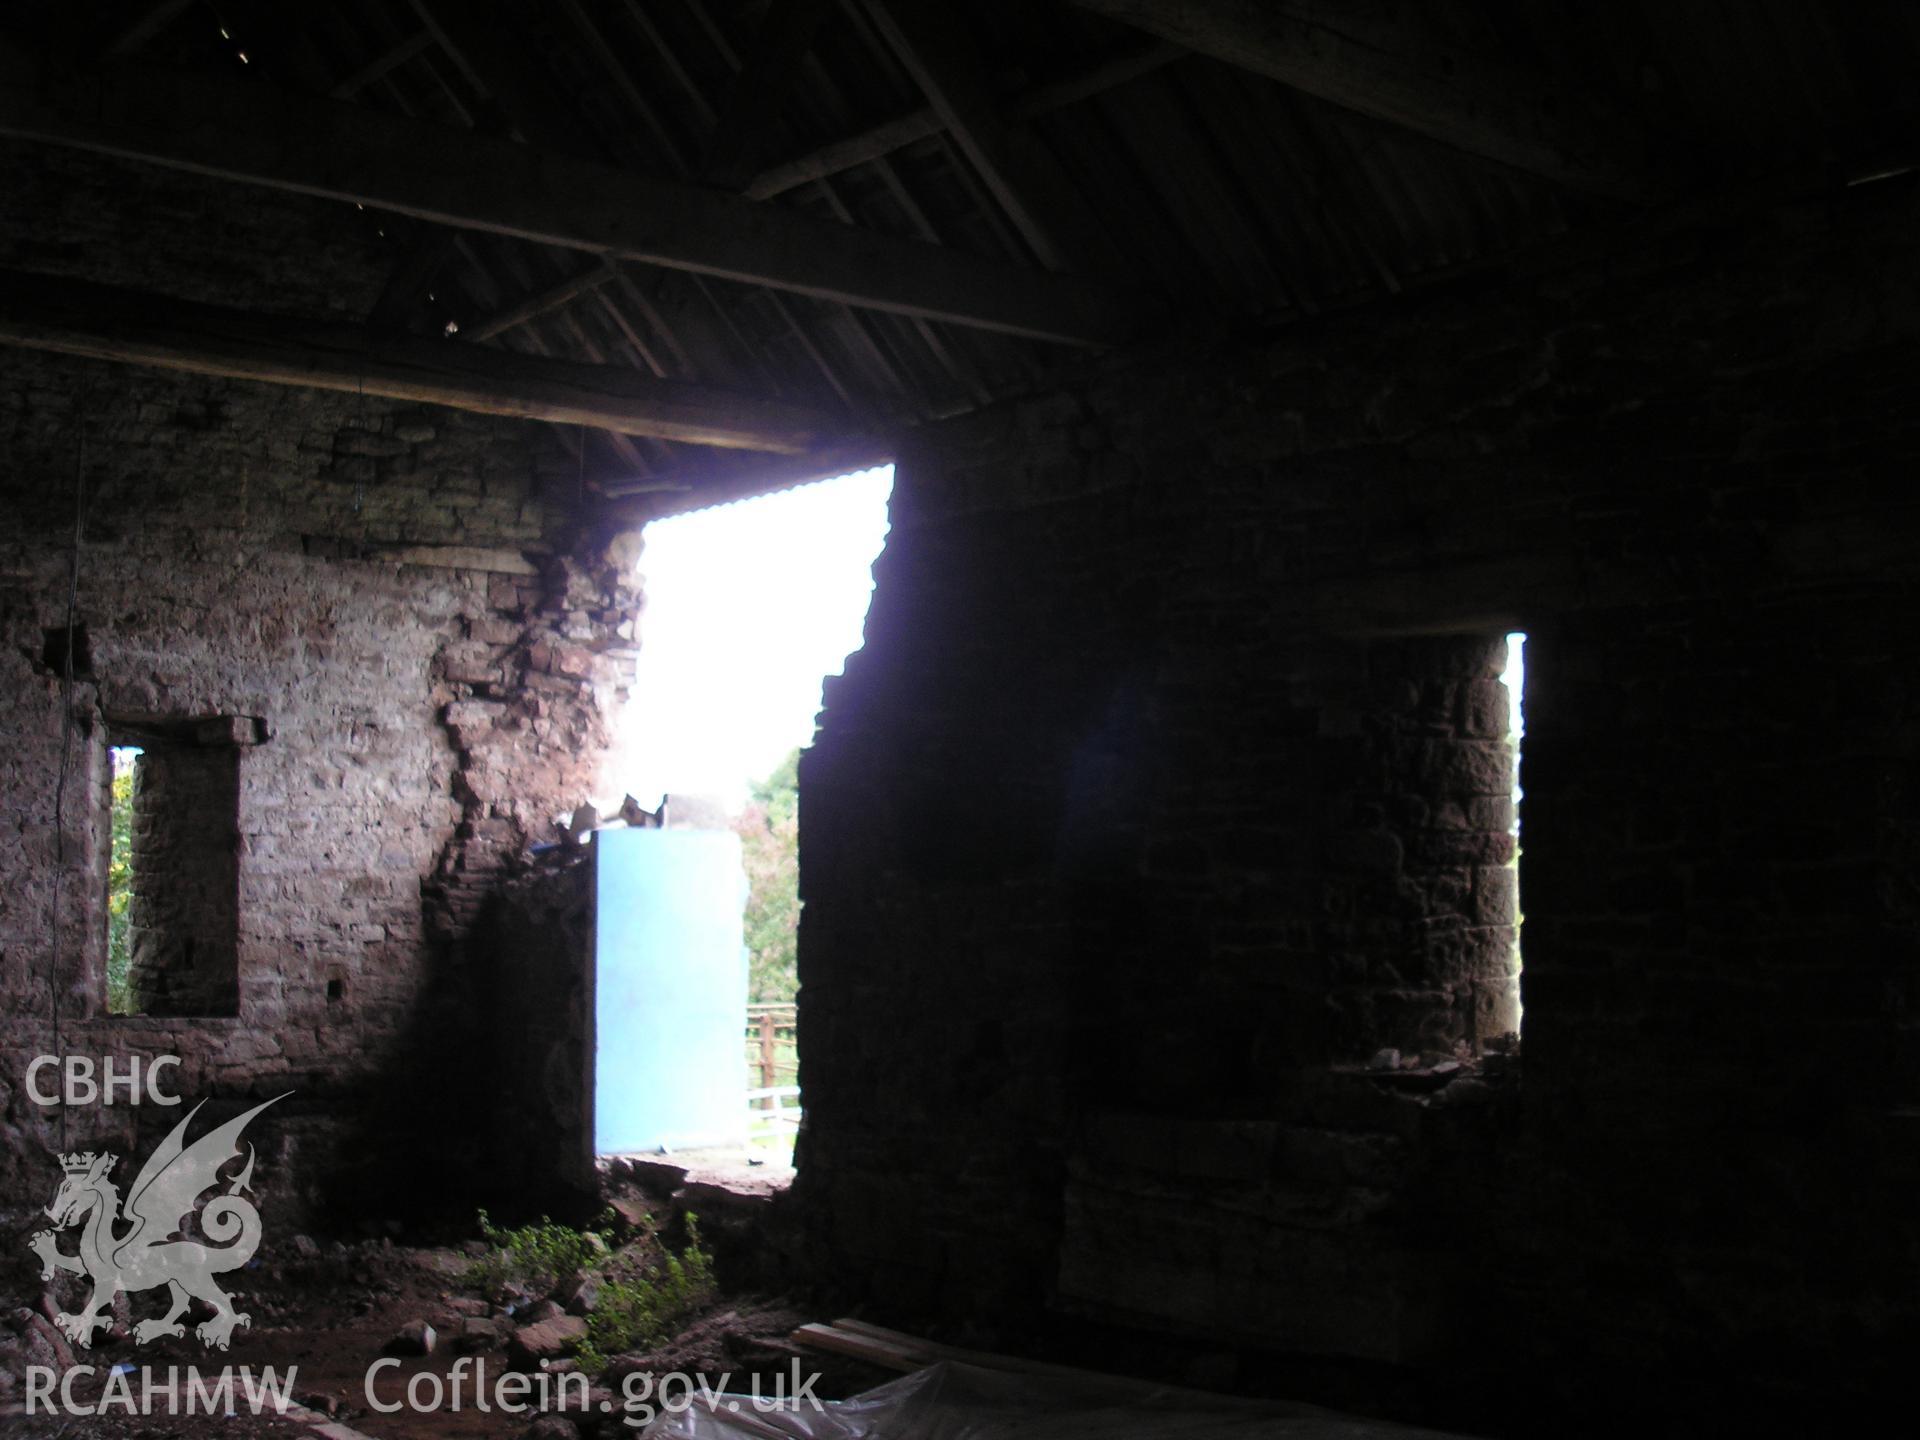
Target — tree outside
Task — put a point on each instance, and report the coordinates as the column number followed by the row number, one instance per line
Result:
column 769, row 831
column 120, row 887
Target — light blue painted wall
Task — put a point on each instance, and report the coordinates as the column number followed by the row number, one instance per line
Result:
column 670, row 990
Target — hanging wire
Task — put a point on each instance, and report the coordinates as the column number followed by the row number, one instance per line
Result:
column 66, row 765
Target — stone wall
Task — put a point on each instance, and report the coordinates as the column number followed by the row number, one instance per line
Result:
column 430, row 708
column 406, row 604
column 1164, row 798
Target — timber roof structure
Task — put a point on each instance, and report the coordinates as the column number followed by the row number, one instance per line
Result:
column 715, row 239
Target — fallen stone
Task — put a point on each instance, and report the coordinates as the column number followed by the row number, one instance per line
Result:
column 552, row 1427
column 580, row 1297
column 661, row 1176
column 548, row 1340
column 416, row 1337
column 540, row 1311
column 1388, row 1059
column 630, row 1212
column 514, row 1298
column 478, row 1333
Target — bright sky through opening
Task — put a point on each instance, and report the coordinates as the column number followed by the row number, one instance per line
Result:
column 748, row 606
column 1514, row 677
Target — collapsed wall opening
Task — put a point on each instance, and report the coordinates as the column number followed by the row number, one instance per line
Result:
column 749, row 605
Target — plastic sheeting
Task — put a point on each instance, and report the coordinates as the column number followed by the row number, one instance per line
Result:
column 962, row 1402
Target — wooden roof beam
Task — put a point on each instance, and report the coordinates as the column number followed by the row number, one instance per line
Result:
column 543, row 302
column 889, row 136
column 147, row 23
column 936, row 49
column 1533, row 123
column 760, row 88
column 38, row 312
column 383, row 65
column 260, row 136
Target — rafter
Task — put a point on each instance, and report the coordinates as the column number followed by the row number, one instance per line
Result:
column 256, row 135
column 476, row 37
column 935, row 47
column 764, row 80
column 1531, row 122
column 72, row 318
column 382, row 65
column 903, row 130
column 544, row 302
column 147, row 23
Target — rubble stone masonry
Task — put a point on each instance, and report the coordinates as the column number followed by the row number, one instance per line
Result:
column 1168, row 795
column 406, row 602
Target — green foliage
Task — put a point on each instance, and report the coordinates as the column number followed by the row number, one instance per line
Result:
column 644, row 1307
column 769, row 831
column 778, row 796
column 120, row 896
column 534, row 1257
column 647, row 1290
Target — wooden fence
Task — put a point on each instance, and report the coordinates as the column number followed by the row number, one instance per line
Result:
column 773, row 1067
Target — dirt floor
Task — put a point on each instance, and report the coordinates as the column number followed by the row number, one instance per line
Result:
column 329, row 1312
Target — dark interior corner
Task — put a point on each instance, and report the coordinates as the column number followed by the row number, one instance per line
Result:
column 1217, row 966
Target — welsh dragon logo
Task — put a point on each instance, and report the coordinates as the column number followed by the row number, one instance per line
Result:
column 150, row 1251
